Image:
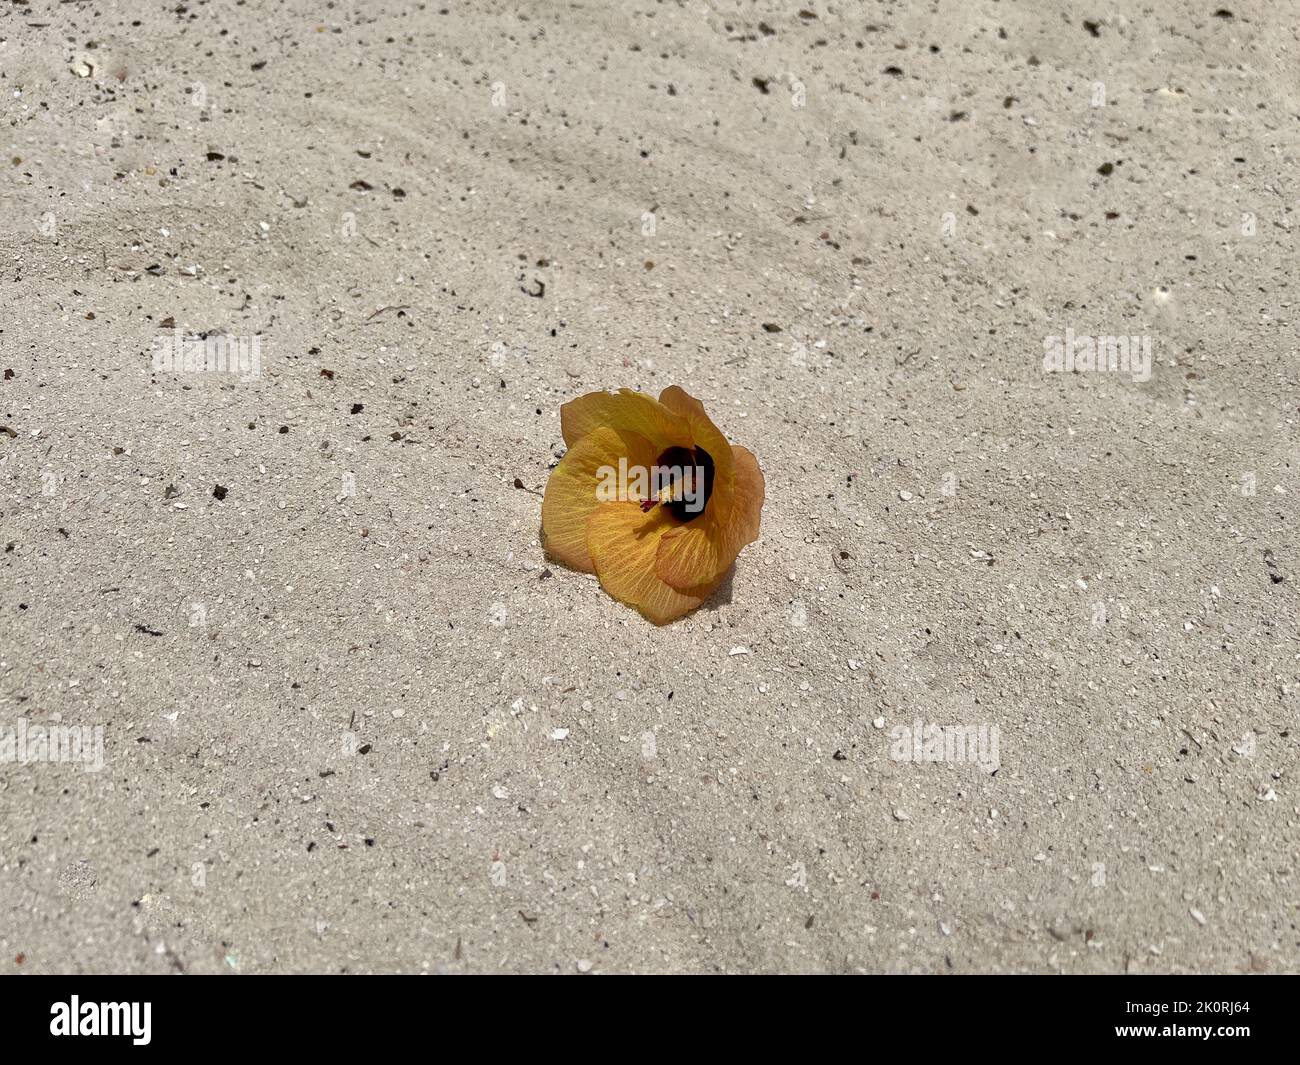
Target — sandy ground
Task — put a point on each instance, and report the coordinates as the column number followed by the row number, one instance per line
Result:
column 353, row 720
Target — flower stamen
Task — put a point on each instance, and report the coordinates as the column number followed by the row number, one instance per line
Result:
column 672, row 492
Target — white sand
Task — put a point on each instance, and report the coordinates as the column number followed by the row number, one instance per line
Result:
column 1094, row 584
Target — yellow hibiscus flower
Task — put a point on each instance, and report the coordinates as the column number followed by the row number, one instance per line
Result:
column 651, row 498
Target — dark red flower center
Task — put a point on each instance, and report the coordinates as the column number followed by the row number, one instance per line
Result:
column 689, row 473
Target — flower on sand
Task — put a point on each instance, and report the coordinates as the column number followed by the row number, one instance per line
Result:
column 664, row 552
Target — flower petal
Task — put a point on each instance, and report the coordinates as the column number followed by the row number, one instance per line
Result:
column 705, row 434
column 625, row 410
column 571, row 490
column 697, row 552
column 623, row 543
column 751, row 490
